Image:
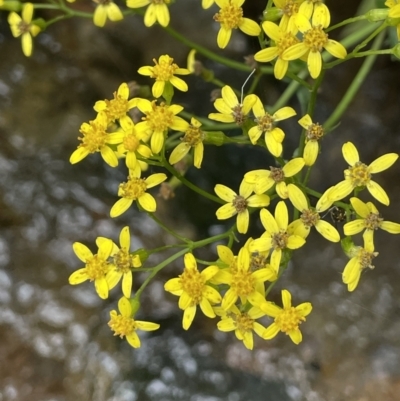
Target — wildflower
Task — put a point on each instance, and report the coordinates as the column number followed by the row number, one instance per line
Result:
column 360, row 259
column 164, row 71
column 239, row 204
column 394, row 12
column 192, row 288
column 243, row 323
column 370, row 221
column 121, row 263
column 318, row 10
column 106, row 9
column 135, row 190
column 96, row 139
column 206, row 4
column 290, row 10
column 24, row 27
column 287, row 319
column 360, row 175
column 314, row 132
column 314, row 41
column 309, row 217
column 266, row 124
column 230, row 110
column 124, row 325
column 96, row 266
column 117, row 108
column 230, row 16
column 263, row 180
column 283, row 40
column 193, row 138
column 156, row 11
column 276, row 235
column 157, row 121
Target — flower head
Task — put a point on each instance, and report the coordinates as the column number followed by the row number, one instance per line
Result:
column 157, row 11
column 106, row 9
column 290, row 10
column 394, row 12
column 23, row 27
column 314, row 132
column 124, row 325
column 192, row 288
column 286, row 319
column 230, row 16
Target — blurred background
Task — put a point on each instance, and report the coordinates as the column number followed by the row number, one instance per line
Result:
column 55, row 344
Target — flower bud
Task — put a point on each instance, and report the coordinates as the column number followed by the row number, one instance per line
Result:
column 135, row 305
column 396, row 51
column 214, row 138
column 11, row 6
column 377, row 14
column 273, row 14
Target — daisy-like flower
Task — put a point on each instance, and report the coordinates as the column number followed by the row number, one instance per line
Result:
column 360, row 175
column 106, row 9
column 243, row 323
column 164, row 71
column 239, row 204
column 230, row 110
column 206, row 4
column 276, row 236
column 318, row 10
column 360, row 259
column 370, row 221
column 117, row 108
column 122, row 262
column 314, row 132
column 23, row 27
column 135, row 190
column 193, row 138
column 96, row 139
column 124, row 325
column 287, row 319
column 274, row 136
column 394, row 12
column 192, row 288
column 263, row 180
column 283, row 40
column 290, row 10
column 158, row 119
column 314, row 41
column 245, row 284
column 309, row 217
column 157, row 11
column 230, row 16
column 96, row 266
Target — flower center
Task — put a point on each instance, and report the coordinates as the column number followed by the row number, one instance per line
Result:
column 280, row 240
column 314, row 132
column 289, row 320
column 309, row 218
column 131, row 142
column 165, row 70
column 285, row 41
column 315, row 38
column 366, row 258
column 96, row 268
column 265, row 123
column 24, row 27
column 159, row 118
column 230, row 17
column 238, row 115
column 244, row 322
column 359, row 174
column 242, row 282
column 193, row 284
column 193, row 136
column 123, row 261
column 277, row 174
column 290, row 8
column 116, row 108
column 373, row 221
column 257, row 261
column 133, row 189
column 121, row 325
column 94, row 136
column 239, row 203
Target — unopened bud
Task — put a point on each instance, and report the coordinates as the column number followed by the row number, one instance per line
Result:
column 216, row 138
column 396, row 51
column 273, row 14
column 11, row 6
column 377, row 14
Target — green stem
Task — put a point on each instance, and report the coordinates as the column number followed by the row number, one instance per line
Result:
column 346, row 22
column 165, row 228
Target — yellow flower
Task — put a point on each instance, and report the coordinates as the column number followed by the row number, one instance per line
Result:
column 207, row 3
column 314, row 132
column 163, row 72
column 96, row 139
column 230, row 110
column 290, row 10
column 314, row 41
column 96, row 266
column 192, row 288
column 193, row 138
column 263, row 180
column 394, row 12
column 158, row 119
column 230, row 16
column 370, row 221
column 309, row 217
column 239, row 204
column 283, row 40
column 106, row 9
column 287, row 319
column 266, row 124
column 124, row 325
column 156, row 11
column 121, row 263
column 117, row 108
column 318, row 10
column 360, row 175
column 360, row 259
column 135, row 190
column 23, row 27
column 276, row 235
column 243, row 323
